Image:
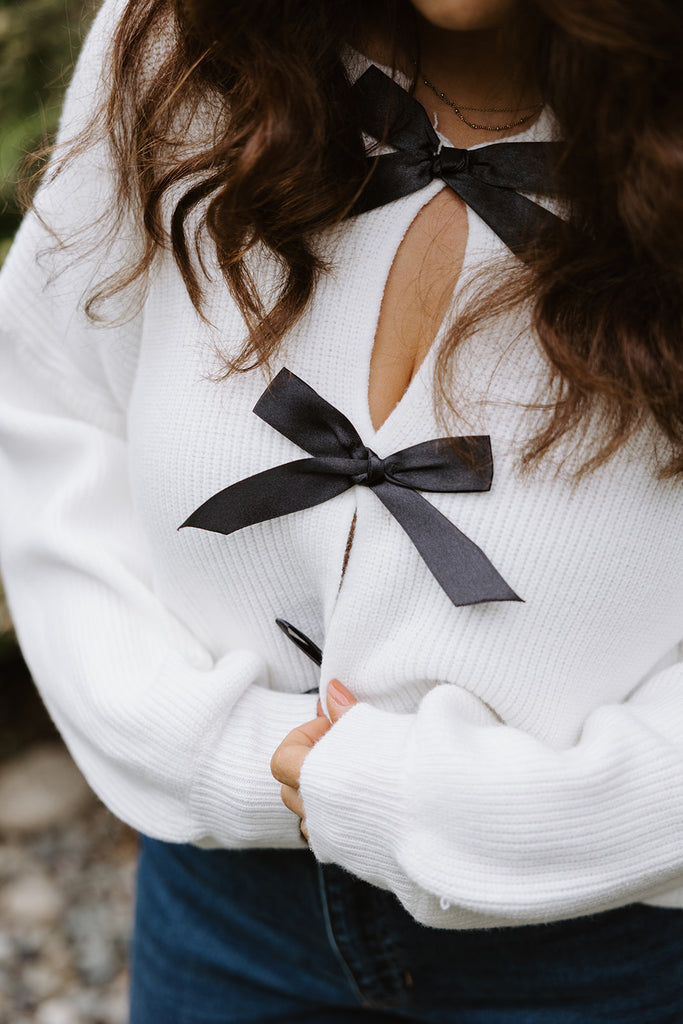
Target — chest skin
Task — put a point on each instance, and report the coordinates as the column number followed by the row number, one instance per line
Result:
column 425, row 269
column 417, row 295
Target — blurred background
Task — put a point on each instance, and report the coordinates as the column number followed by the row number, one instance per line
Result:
column 66, row 865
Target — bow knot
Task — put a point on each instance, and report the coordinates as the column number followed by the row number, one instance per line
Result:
column 374, row 471
column 454, row 161
column 340, row 460
column 490, row 179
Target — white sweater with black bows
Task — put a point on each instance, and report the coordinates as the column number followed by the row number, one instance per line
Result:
column 507, row 763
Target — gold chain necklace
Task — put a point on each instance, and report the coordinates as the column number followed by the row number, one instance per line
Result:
column 482, row 127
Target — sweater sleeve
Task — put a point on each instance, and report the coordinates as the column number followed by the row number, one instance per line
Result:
column 177, row 743
column 472, row 822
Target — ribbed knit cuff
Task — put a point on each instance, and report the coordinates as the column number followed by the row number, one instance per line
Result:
column 235, row 795
column 353, row 792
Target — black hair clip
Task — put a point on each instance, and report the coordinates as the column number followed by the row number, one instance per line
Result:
column 303, row 642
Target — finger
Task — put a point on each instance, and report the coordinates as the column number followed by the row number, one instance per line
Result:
column 319, row 711
column 286, row 762
column 292, row 800
column 310, row 732
column 339, row 700
column 303, row 829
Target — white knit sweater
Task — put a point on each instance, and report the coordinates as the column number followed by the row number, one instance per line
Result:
column 507, row 763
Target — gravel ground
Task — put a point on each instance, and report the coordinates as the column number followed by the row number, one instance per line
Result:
column 67, row 870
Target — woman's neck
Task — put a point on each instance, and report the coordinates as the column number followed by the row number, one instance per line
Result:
column 486, row 68
column 476, row 68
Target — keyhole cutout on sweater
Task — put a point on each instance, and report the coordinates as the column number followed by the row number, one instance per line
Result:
column 417, row 295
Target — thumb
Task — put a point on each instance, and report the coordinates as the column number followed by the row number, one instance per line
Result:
column 339, row 700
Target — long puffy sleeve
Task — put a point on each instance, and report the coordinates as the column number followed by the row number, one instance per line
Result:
column 176, row 741
column 474, row 823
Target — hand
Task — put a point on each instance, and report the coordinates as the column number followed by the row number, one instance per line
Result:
column 289, row 757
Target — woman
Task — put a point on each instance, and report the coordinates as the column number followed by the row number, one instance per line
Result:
column 260, row 282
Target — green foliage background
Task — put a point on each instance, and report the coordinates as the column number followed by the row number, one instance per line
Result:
column 39, row 42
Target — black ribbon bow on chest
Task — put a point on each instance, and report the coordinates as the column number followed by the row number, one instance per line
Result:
column 341, row 460
column 488, row 179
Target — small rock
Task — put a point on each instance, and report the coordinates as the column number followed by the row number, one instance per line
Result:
column 116, row 1003
column 6, row 951
column 6, row 1004
column 96, row 960
column 56, row 1011
column 29, row 941
column 56, row 952
column 40, row 789
column 12, row 859
column 108, row 1006
column 42, row 981
column 96, row 953
column 31, row 900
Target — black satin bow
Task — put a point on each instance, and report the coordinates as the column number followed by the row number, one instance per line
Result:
column 487, row 179
column 342, row 460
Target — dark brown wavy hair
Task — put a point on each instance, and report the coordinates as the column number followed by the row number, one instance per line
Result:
column 281, row 160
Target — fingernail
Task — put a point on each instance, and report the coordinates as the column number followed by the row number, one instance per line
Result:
column 339, row 694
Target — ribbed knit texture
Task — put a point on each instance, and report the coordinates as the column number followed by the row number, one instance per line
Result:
column 508, row 763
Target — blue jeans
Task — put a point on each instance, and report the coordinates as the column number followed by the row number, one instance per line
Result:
column 264, row 936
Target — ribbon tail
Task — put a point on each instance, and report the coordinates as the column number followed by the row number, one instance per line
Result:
column 517, row 220
column 274, row 492
column 292, row 407
column 458, row 565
